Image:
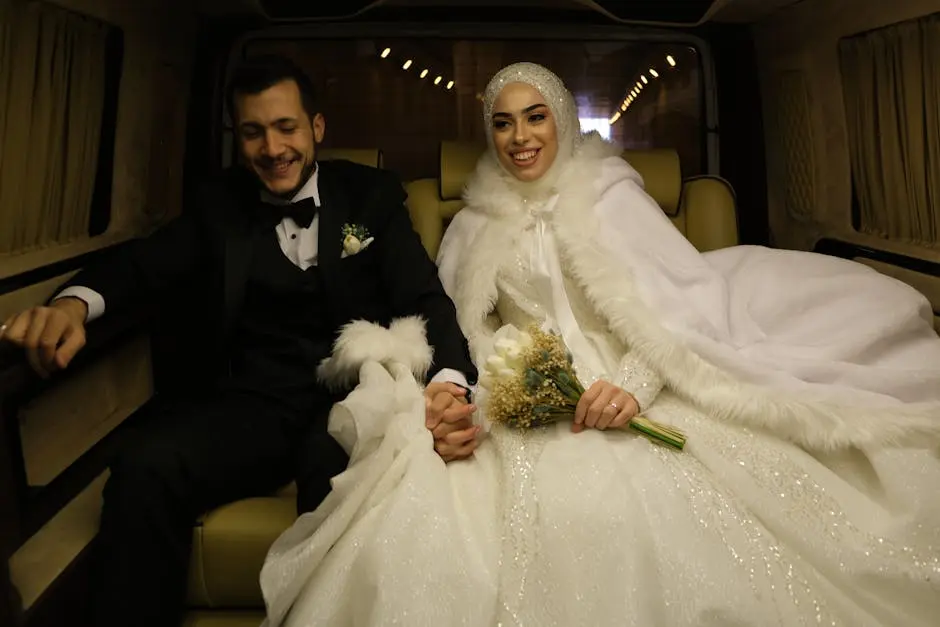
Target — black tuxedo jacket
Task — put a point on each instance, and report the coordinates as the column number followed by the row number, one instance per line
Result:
column 211, row 246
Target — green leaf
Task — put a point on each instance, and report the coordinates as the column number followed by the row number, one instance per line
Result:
column 533, row 380
column 564, row 384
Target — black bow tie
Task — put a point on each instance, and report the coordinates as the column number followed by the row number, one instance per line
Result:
column 301, row 212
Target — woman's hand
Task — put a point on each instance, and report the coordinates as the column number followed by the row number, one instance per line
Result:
column 604, row 406
column 449, row 418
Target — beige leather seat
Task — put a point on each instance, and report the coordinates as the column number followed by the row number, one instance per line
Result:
column 702, row 208
column 366, row 156
column 231, row 542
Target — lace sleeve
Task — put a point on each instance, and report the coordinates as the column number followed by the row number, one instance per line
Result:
column 639, row 380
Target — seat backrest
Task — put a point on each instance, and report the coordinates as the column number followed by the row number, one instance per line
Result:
column 702, row 208
column 433, row 203
column 372, row 157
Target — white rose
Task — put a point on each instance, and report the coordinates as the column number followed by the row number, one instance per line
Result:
column 513, row 357
column 351, row 245
column 511, row 351
column 495, row 364
column 503, row 344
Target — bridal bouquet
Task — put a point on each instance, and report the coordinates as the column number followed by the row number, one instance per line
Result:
column 530, row 382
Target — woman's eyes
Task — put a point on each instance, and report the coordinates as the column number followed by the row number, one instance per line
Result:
column 535, row 118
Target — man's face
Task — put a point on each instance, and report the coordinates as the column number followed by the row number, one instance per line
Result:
column 277, row 138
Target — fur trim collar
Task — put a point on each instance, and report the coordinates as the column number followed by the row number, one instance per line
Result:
column 505, row 215
column 490, row 189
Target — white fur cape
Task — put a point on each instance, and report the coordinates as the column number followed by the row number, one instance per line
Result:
column 824, row 352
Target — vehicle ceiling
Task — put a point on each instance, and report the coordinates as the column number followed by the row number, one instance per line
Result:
column 677, row 13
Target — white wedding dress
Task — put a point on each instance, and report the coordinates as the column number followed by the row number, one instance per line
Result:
column 605, row 528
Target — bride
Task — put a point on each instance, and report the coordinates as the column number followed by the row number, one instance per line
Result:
column 808, row 388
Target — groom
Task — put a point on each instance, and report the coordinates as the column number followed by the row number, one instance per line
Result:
column 286, row 250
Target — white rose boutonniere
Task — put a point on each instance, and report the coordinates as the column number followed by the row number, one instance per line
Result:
column 356, row 239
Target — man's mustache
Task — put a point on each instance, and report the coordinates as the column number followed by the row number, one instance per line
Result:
column 267, row 162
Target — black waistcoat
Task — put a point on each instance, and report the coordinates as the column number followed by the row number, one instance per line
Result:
column 284, row 330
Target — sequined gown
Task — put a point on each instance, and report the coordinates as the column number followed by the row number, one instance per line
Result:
column 606, row 528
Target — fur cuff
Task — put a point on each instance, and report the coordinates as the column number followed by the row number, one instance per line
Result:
column 404, row 342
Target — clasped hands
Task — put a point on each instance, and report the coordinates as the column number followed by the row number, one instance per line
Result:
column 449, row 417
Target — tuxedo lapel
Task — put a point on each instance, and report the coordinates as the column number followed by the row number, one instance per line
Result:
column 334, row 213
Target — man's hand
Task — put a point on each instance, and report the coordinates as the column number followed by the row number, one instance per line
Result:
column 51, row 335
column 449, row 418
column 604, row 406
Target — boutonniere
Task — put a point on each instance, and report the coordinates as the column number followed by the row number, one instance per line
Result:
column 356, row 239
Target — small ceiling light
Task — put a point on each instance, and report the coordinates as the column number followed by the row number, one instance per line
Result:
column 424, row 73
column 670, row 60
column 437, row 81
column 406, row 65
column 386, row 52
column 644, row 79
column 450, row 84
column 654, row 73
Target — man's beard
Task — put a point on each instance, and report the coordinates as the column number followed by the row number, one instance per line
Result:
column 305, row 175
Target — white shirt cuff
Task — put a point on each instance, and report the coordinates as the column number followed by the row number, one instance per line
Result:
column 455, row 376
column 90, row 297
column 451, row 376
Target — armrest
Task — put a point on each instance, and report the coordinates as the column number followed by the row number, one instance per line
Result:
column 25, row 510
column 17, row 377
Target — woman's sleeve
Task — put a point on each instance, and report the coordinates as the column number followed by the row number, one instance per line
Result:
column 639, row 380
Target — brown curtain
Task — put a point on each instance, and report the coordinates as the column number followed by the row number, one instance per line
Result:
column 8, row 10
column 891, row 80
column 50, row 123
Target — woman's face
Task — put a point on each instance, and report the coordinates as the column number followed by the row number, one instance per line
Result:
column 524, row 132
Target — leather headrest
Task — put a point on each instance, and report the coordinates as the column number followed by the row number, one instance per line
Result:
column 365, row 156
column 662, row 175
column 458, row 160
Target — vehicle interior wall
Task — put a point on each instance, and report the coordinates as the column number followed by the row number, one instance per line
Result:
column 810, row 126
column 148, row 132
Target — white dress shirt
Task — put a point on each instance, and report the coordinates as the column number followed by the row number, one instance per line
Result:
column 298, row 244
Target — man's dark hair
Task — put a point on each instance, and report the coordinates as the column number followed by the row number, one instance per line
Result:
column 257, row 74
